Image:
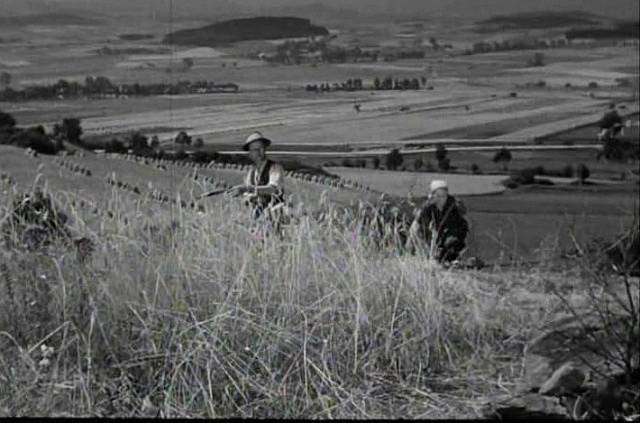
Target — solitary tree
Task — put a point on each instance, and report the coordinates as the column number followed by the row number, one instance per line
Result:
column 198, row 143
column 376, row 162
column 139, row 143
column 418, row 164
column 394, row 159
column 441, row 152
column 444, row 164
column 71, row 130
column 183, row 138
column 583, row 172
column 155, row 142
column 503, row 156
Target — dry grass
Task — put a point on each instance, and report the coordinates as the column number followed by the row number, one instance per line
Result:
column 188, row 315
column 194, row 319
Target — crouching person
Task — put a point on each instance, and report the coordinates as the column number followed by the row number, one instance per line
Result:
column 263, row 188
column 441, row 224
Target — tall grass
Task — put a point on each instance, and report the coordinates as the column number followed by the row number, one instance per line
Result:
column 188, row 314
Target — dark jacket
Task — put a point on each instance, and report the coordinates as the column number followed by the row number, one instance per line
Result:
column 449, row 222
column 610, row 119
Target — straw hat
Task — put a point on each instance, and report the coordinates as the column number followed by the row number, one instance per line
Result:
column 437, row 184
column 256, row 136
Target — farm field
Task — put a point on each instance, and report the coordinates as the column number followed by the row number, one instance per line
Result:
column 273, row 99
column 416, row 183
column 174, row 180
column 149, row 301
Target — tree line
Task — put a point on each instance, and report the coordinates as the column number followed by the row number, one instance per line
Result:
column 356, row 84
column 101, row 86
column 517, row 44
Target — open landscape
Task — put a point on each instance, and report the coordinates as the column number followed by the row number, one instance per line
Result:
column 124, row 116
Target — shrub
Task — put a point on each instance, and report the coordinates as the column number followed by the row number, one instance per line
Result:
column 203, row 157
column 139, row 143
column 502, row 156
column 444, row 164
column 525, row 176
column 6, row 120
column 475, row 169
column 115, row 146
column 71, row 130
column 34, row 138
column 610, row 317
column 583, row 172
column 394, row 159
column 511, row 184
column 181, row 154
column 593, row 84
column 441, row 152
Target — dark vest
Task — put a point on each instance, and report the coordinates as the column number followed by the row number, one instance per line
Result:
column 261, row 177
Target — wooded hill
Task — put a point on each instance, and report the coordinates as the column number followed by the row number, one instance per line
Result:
column 260, row 28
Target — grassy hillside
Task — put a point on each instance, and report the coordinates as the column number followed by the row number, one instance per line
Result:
column 187, row 314
column 180, row 312
column 260, row 28
column 196, row 319
column 540, row 20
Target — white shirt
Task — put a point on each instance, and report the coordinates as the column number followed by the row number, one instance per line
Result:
column 276, row 177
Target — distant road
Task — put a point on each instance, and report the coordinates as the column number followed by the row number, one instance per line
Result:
column 382, row 151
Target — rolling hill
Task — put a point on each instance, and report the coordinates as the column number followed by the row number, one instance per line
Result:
column 50, row 19
column 260, row 28
column 541, row 20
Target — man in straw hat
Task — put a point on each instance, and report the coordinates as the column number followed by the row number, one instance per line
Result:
column 440, row 221
column 264, row 184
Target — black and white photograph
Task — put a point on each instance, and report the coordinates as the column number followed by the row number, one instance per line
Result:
column 320, row 209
